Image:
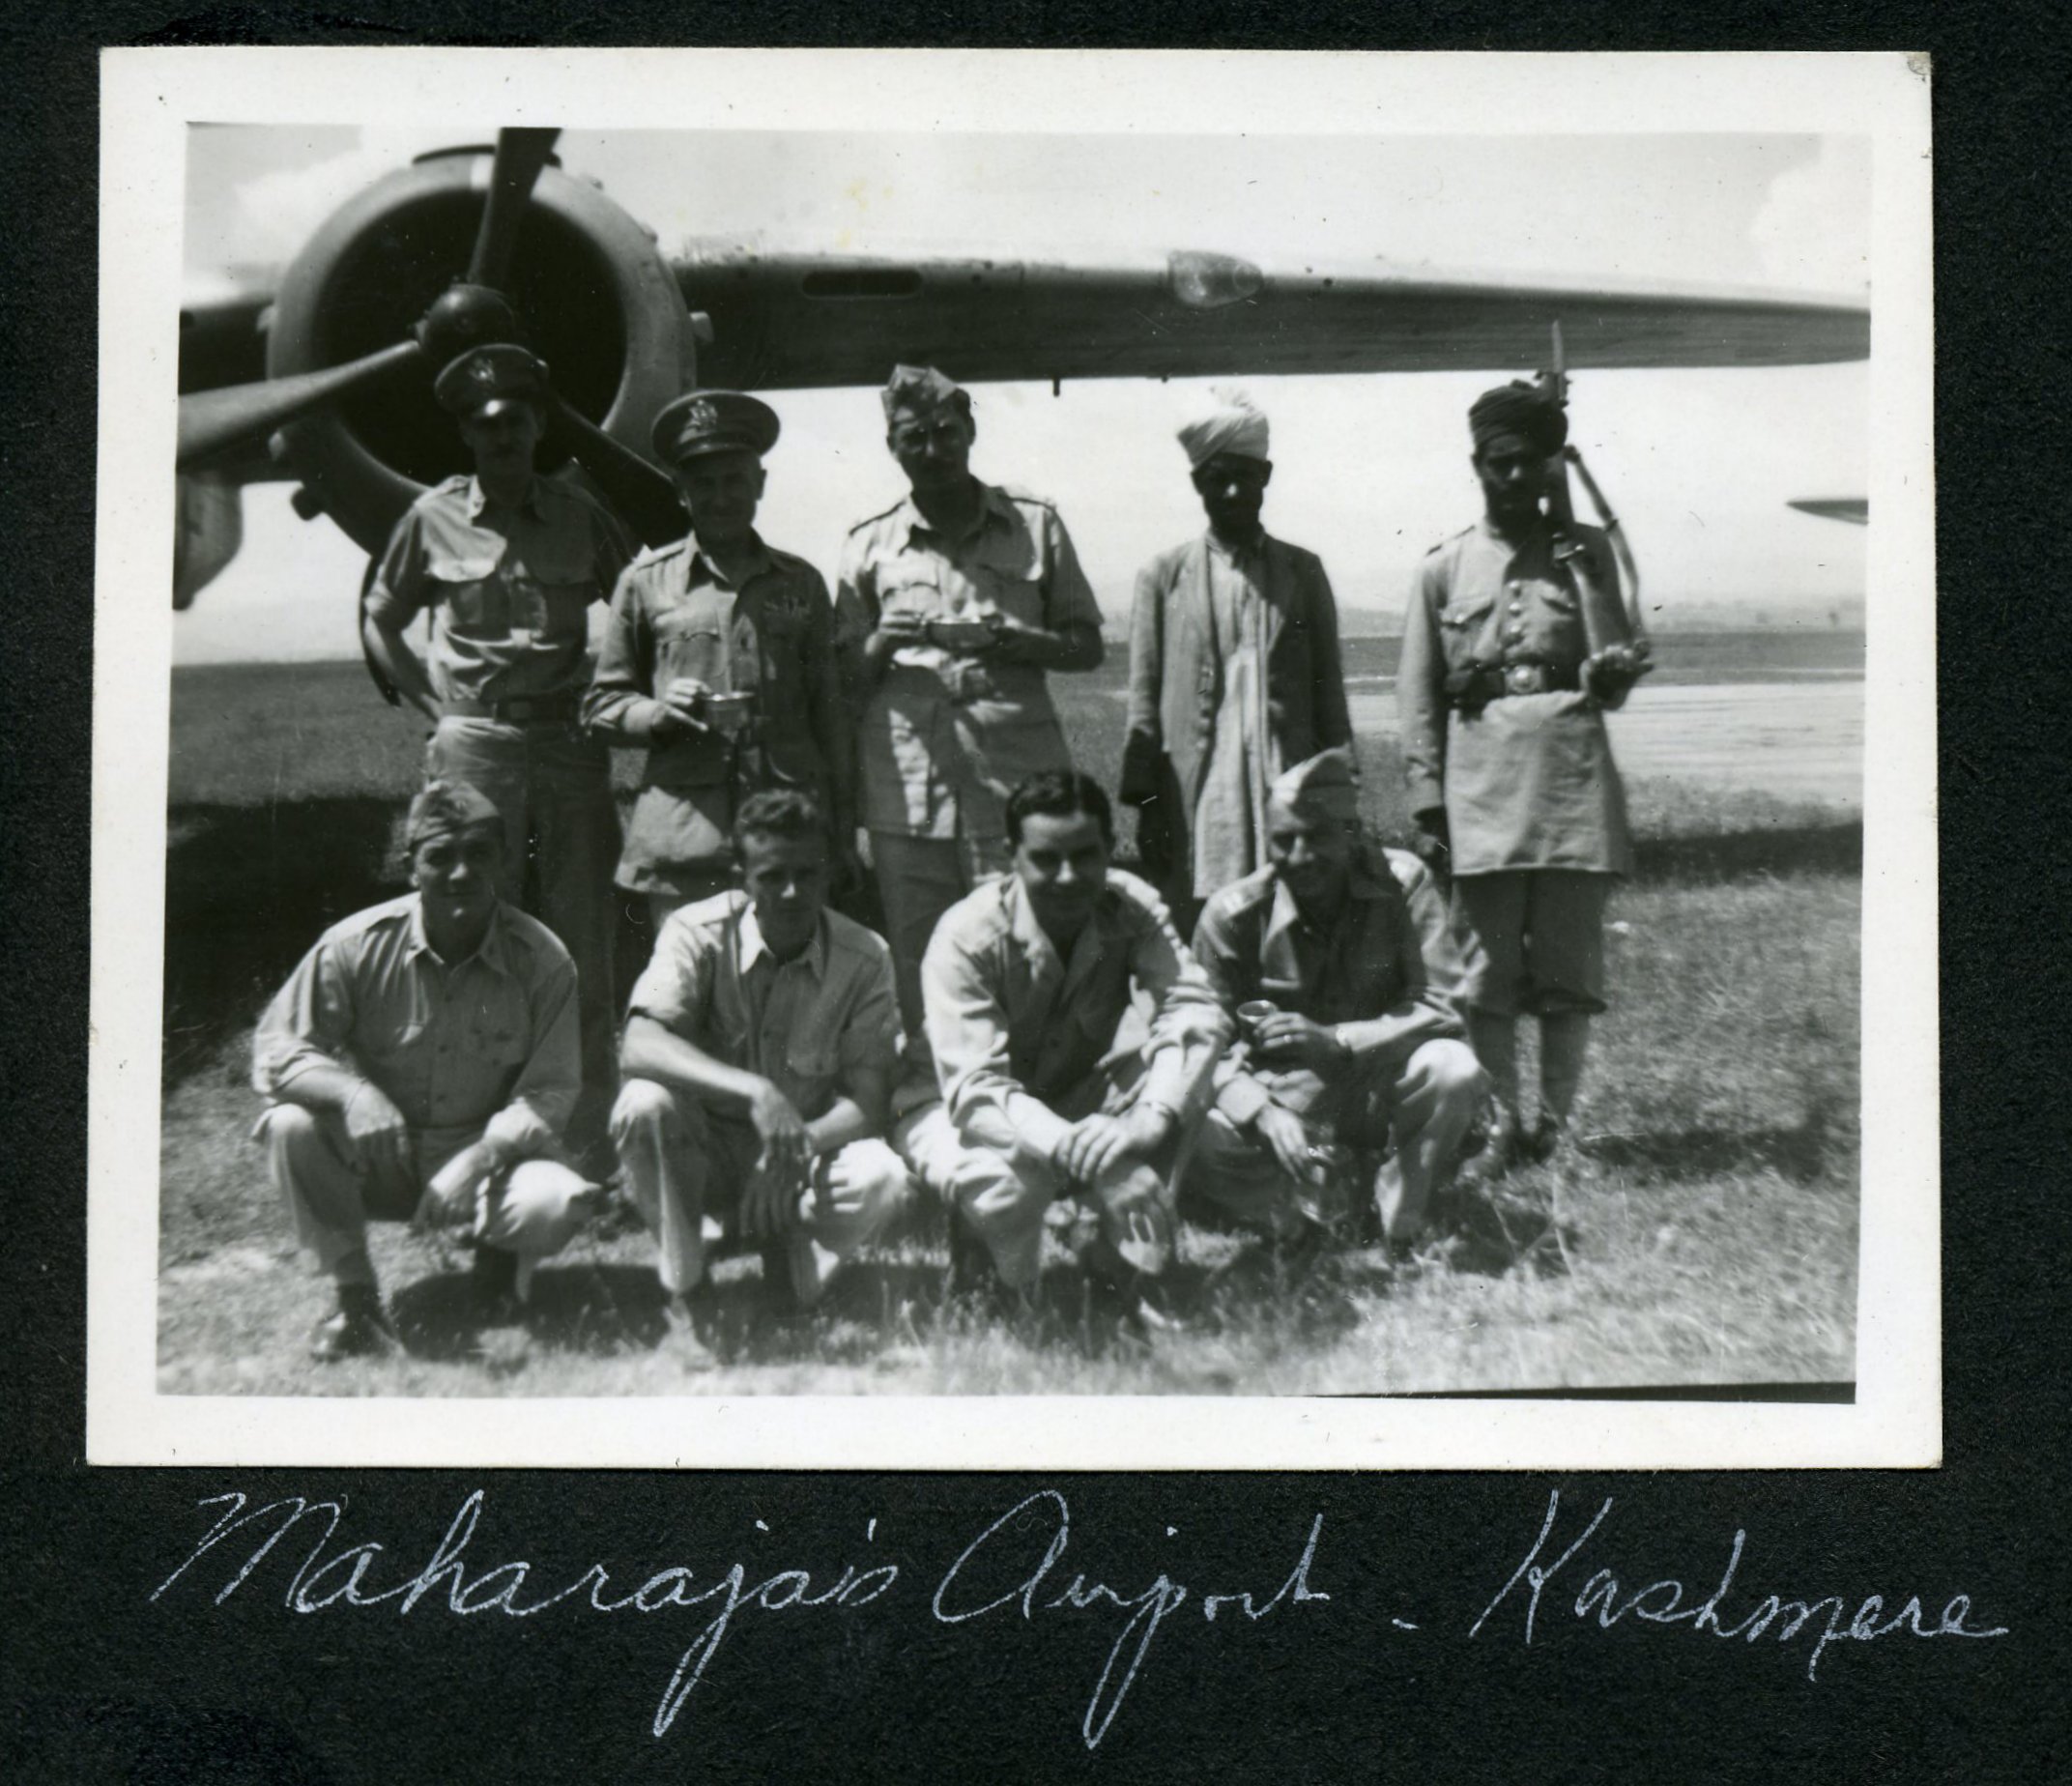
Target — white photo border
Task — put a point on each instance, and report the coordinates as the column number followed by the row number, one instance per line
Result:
column 148, row 98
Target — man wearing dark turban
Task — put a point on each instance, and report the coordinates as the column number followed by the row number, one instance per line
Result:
column 1512, row 648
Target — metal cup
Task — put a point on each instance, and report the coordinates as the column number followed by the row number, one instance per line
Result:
column 1255, row 1011
column 730, row 713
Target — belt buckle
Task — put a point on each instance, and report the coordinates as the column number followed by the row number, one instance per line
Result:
column 1522, row 679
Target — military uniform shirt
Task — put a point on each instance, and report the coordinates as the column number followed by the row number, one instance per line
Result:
column 944, row 738
column 802, row 1024
column 509, row 590
column 1016, row 1030
column 489, row 1042
column 1528, row 780
column 772, row 636
column 1390, row 955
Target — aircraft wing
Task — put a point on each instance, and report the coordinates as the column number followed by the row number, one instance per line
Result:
column 795, row 320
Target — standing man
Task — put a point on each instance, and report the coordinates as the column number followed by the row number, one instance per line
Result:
column 718, row 614
column 1027, row 984
column 1363, row 1049
column 758, row 1058
column 953, row 604
column 1514, row 644
column 1234, row 671
column 508, row 564
column 421, row 1060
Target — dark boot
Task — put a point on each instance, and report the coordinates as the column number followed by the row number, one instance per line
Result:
column 358, row 1327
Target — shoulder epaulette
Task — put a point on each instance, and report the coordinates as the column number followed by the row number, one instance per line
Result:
column 873, row 520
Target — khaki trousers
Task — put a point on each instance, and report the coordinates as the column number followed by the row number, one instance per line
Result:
column 532, row 1211
column 1422, row 1104
column 682, row 1160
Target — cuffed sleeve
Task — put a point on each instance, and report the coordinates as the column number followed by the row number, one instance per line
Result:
column 967, row 1032
column 619, row 705
column 1068, row 598
column 398, row 594
column 306, row 1024
column 675, row 985
column 544, row 1096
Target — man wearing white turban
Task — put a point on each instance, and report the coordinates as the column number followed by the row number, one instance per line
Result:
column 1234, row 671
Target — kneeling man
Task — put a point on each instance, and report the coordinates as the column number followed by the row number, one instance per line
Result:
column 1338, row 960
column 1027, row 985
column 758, row 1056
column 423, row 1061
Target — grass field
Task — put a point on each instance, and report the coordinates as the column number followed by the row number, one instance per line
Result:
column 1704, row 1234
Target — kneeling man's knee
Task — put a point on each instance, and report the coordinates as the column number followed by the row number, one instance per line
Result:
column 642, row 1104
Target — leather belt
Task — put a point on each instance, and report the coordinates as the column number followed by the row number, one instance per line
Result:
column 521, row 710
column 1492, row 682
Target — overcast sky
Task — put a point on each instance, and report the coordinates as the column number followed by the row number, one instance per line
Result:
column 1369, row 471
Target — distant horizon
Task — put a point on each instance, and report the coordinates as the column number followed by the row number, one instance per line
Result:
column 1355, row 623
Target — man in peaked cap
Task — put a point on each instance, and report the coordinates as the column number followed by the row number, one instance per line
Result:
column 1509, row 628
column 719, row 612
column 422, row 1059
column 508, row 564
column 952, row 604
column 1359, row 1077
column 1234, row 669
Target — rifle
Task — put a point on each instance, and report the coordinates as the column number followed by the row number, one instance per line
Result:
column 1622, row 662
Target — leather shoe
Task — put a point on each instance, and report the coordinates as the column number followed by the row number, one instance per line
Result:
column 358, row 1327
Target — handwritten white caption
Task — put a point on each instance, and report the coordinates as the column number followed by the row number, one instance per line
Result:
column 1026, row 1548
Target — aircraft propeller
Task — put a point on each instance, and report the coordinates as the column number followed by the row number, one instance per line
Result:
column 471, row 312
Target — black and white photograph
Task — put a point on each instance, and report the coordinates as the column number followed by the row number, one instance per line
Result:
column 1228, row 765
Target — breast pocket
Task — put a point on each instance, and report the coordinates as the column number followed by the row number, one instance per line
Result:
column 1010, row 582
column 469, row 592
column 689, row 645
column 554, row 607
column 1461, row 627
column 1555, row 622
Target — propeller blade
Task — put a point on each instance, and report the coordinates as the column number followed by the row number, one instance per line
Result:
column 521, row 154
column 643, row 498
column 211, row 420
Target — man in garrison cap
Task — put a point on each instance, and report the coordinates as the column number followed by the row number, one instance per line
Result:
column 719, row 612
column 1234, row 669
column 421, row 1060
column 1512, row 643
column 508, row 564
column 953, row 604
column 1359, row 1078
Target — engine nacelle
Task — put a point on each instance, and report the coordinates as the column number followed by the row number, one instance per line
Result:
column 599, row 305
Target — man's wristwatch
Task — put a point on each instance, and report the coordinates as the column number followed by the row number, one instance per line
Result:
column 1344, row 1044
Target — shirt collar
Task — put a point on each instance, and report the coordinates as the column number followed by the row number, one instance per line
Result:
column 994, row 505
column 1362, row 888
column 700, row 566
column 1244, row 554
column 478, row 500
column 1028, row 930
column 754, row 949
column 490, row 951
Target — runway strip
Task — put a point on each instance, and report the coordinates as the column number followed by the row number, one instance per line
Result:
column 1798, row 740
